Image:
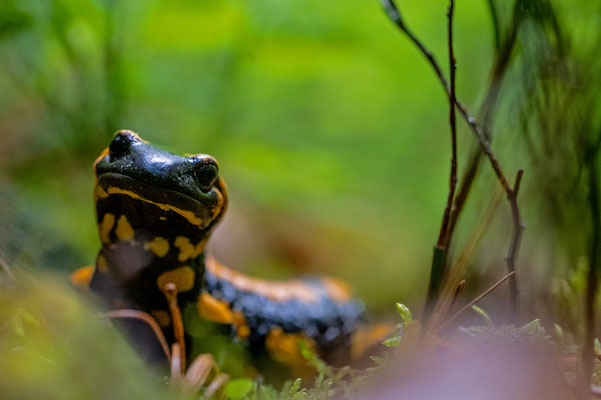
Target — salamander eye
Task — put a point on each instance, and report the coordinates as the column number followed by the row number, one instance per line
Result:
column 206, row 173
column 120, row 145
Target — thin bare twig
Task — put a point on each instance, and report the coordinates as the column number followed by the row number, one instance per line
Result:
column 516, row 239
column 474, row 301
column 489, row 105
column 443, row 236
column 393, row 13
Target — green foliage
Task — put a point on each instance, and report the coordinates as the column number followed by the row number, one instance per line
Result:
column 53, row 345
column 328, row 383
column 12, row 19
column 401, row 328
column 230, row 354
column 405, row 314
column 392, row 342
column 478, row 310
column 533, row 333
column 238, row 388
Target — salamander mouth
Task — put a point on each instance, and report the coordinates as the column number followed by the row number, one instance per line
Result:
column 202, row 212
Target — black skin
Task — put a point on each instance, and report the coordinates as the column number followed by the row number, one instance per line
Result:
column 148, row 180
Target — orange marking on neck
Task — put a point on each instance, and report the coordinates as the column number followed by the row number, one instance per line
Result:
column 105, row 227
column 276, row 291
column 82, row 276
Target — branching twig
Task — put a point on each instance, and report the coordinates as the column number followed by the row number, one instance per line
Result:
column 474, row 301
column 393, row 13
column 499, row 69
column 439, row 258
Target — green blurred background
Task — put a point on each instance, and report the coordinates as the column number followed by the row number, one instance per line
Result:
column 330, row 128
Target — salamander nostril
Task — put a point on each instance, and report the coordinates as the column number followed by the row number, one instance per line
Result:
column 206, row 172
column 120, row 145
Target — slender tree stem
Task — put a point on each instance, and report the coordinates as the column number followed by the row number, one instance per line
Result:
column 439, row 258
column 443, row 236
column 514, row 248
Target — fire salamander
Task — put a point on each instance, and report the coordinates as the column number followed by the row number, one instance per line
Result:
column 155, row 212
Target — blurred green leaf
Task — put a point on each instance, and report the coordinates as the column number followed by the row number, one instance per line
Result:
column 392, row 342
column 12, row 20
column 238, row 388
column 480, row 311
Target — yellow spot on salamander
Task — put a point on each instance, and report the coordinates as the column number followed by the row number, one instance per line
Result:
column 105, row 227
column 214, row 310
column 102, row 265
column 284, row 347
column 367, row 338
column 219, row 311
column 124, row 230
column 242, row 328
column 182, row 277
column 82, row 276
column 162, row 317
column 186, row 249
column 158, row 245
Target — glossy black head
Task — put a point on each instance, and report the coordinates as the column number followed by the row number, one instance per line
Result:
column 158, row 193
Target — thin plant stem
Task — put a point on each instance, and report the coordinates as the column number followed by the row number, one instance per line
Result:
column 593, row 271
column 443, row 236
column 395, row 16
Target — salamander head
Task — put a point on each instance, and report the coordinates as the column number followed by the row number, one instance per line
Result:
column 155, row 211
